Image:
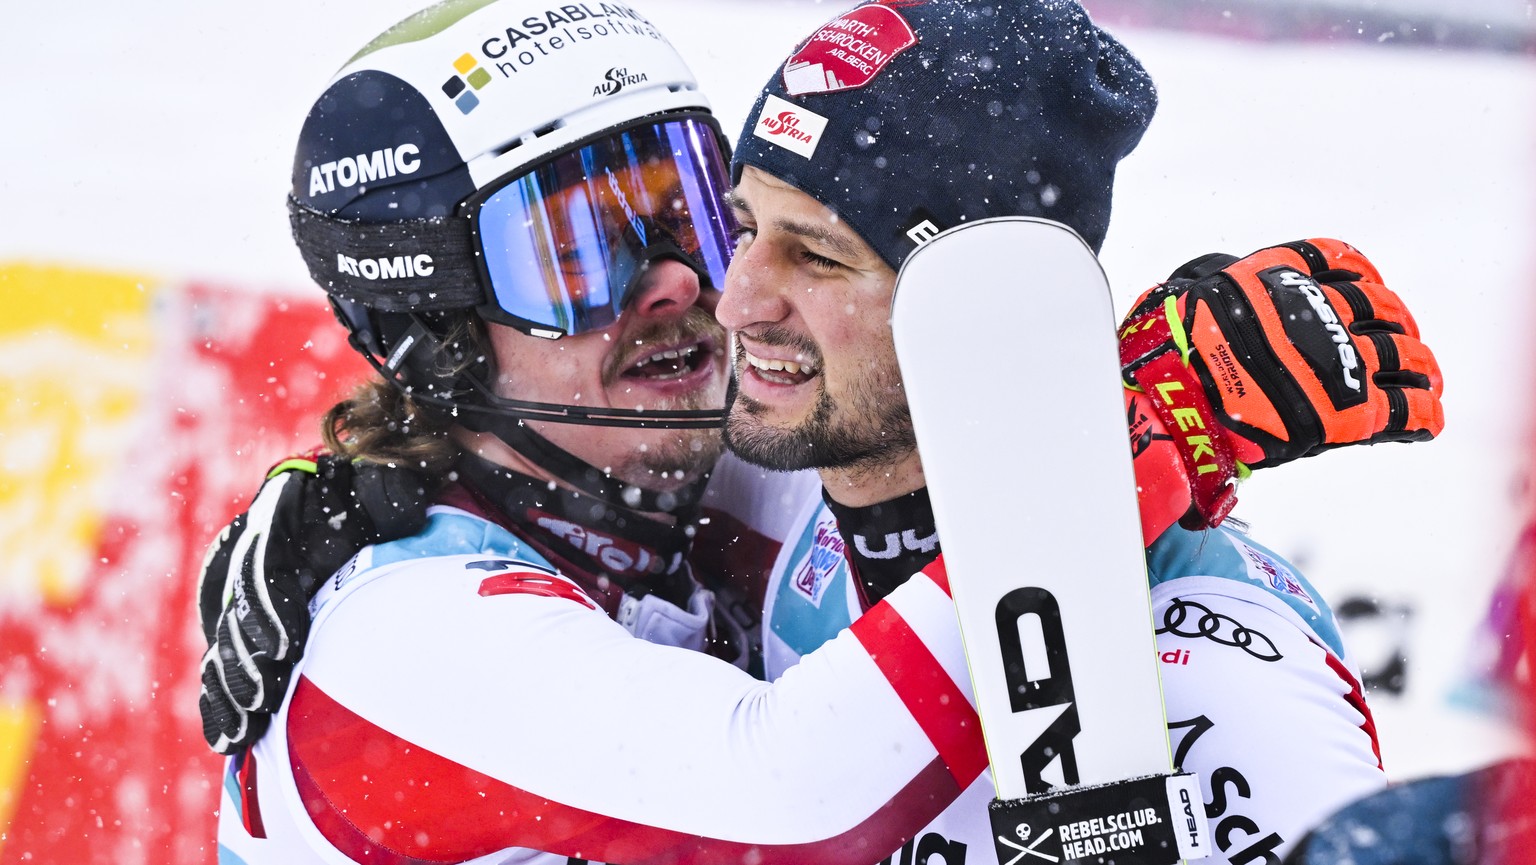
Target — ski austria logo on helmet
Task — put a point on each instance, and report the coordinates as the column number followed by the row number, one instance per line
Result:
column 474, row 76
column 791, row 127
column 848, row 51
column 616, row 79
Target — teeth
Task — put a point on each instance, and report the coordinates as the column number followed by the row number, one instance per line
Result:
column 788, row 366
column 670, row 354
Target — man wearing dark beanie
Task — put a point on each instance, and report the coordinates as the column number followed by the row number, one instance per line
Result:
column 891, row 123
column 911, row 117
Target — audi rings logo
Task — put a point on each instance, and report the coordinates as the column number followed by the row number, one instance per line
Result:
column 1180, row 620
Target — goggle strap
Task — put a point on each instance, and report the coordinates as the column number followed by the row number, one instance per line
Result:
column 485, row 405
column 492, row 405
column 583, row 476
column 412, row 265
column 506, row 422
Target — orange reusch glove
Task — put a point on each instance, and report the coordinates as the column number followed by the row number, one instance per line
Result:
column 1294, row 350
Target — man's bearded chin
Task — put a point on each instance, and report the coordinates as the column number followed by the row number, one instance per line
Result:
column 671, row 459
column 878, row 432
column 666, row 459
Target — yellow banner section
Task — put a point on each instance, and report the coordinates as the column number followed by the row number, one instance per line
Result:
column 18, row 730
column 74, row 364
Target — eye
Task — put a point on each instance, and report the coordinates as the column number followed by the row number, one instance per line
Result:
column 741, row 235
column 820, row 262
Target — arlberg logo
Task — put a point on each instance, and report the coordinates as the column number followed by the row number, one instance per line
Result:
column 394, row 267
column 617, row 79
column 848, row 51
column 349, row 171
column 1330, row 320
column 789, row 126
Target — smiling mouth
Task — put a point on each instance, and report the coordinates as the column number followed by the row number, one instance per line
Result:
column 670, row 364
column 787, row 372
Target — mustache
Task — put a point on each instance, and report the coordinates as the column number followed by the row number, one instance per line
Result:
column 695, row 325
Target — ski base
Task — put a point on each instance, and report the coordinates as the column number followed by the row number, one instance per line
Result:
column 1150, row 820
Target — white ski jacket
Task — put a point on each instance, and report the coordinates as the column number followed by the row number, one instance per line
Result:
column 459, row 701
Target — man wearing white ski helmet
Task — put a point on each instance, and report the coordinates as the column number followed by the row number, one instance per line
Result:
column 516, row 211
column 478, row 689
column 539, row 174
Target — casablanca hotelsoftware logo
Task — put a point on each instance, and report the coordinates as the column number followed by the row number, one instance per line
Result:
column 461, row 87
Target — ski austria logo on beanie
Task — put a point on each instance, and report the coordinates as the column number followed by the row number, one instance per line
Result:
column 949, row 111
column 848, row 51
column 789, row 126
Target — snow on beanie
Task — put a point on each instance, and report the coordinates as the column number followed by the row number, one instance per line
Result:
column 907, row 117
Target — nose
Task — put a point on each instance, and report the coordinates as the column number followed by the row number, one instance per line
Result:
column 668, row 288
column 753, row 291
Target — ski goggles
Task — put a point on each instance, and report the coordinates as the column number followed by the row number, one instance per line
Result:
column 564, row 246
column 558, row 249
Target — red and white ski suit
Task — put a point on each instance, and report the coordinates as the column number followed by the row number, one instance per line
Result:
column 459, row 702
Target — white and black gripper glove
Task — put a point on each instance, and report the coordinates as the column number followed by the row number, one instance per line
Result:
column 312, row 514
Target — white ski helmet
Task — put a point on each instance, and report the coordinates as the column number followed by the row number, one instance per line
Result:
column 522, row 160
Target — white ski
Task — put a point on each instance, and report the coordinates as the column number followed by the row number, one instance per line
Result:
column 1005, row 332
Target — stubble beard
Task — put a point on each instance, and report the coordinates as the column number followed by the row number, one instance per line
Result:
column 666, row 459
column 671, row 459
column 870, row 428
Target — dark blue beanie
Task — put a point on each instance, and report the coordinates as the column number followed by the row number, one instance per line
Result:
column 907, row 117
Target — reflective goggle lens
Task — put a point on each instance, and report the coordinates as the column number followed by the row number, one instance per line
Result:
column 565, row 244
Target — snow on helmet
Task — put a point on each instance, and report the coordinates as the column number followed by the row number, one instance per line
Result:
column 421, row 173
